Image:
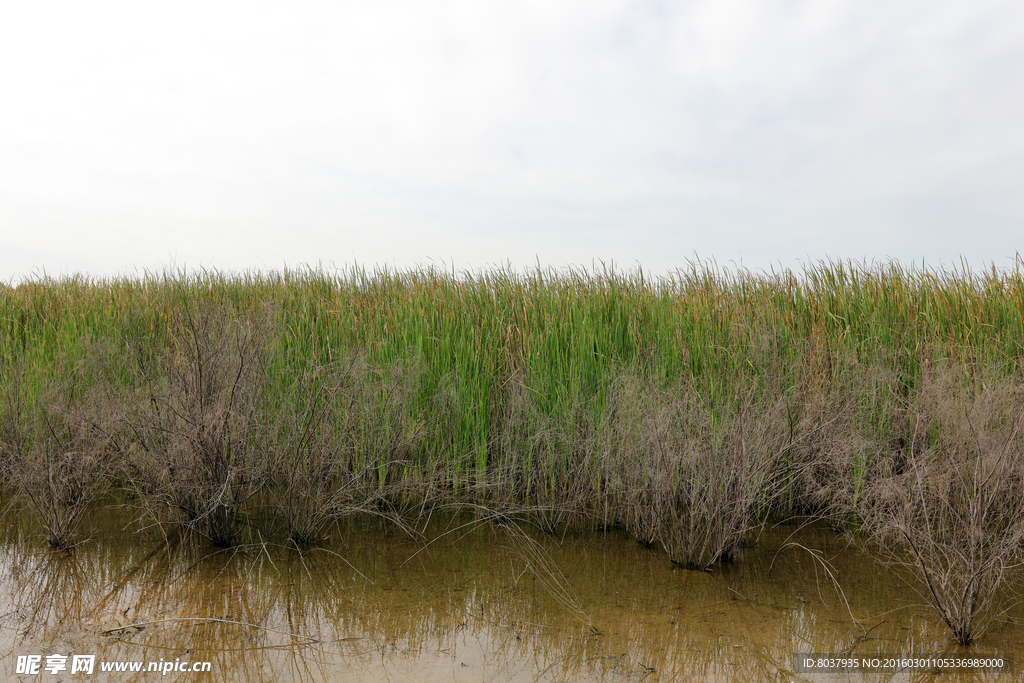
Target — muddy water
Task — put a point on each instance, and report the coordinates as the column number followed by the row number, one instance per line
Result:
column 479, row 603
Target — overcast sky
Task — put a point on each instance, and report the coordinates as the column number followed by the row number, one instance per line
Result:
column 253, row 135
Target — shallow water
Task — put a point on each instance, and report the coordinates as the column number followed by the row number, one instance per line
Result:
column 478, row 603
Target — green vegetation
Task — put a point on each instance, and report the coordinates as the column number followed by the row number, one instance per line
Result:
column 683, row 408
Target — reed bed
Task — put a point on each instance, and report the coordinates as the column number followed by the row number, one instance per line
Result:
column 684, row 407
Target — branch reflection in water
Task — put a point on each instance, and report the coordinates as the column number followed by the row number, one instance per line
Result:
column 468, row 606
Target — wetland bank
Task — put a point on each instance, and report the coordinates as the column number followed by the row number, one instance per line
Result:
column 299, row 425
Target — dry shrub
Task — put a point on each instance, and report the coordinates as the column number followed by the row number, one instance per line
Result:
column 694, row 473
column 56, row 448
column 349, row 444
column 542, row 467
column 953, row 517
column 846, row 414
column 561, row 497
column 305, row 461
column 197, row 441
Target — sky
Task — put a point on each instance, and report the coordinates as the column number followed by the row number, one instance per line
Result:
column 256, row 136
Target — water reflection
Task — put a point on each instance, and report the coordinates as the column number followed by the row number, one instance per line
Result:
column 484, row 605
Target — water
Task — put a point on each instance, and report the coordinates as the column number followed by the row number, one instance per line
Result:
column 478, row 603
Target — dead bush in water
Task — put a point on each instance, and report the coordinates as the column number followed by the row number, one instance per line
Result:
column 542, row 466
column 694, row 473
column 56, row 450
column 197, row 444
column 349, row 444
column 305, row 462
column 846, row 416
column 953, row 517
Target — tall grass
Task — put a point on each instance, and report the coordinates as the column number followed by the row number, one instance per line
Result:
column 564, row 333
column 509, row 379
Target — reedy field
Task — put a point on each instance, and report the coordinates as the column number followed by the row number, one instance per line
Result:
column 686, row 408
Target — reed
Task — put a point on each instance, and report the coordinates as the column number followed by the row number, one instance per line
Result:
column 542, row 391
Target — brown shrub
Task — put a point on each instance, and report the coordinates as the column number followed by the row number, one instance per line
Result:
column 542, row 467
column 196, row 438
column 695, row 473
column 346, row 445
column 56, row 449
column 953, row 515
column 846, row 416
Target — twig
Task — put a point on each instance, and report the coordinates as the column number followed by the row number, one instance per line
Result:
column 206, row 620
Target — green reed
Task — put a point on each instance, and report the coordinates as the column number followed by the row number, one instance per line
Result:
column 562, row 337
